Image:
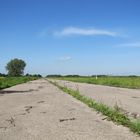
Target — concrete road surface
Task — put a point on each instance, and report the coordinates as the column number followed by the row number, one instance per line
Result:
column 127, row 99
column 38, row 110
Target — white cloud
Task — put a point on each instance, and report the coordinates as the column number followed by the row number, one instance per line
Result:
column 130, row 45
column 85, row 32
column 67, row 58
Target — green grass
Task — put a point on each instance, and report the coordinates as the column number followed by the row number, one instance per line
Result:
column 113, row 114
column 124, row 82
column 11, row 81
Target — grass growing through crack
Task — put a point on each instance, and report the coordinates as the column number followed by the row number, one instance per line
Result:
column 113, row 114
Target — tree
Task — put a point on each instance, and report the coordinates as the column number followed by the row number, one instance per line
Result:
column 2, row 75
column 15, row 67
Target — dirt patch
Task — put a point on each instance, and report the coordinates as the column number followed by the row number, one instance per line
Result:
column 41, row 102
column 70, row 119
column 28, row 108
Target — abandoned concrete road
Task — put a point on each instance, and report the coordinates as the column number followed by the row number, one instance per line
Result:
column 126, row 99
column 38, row 110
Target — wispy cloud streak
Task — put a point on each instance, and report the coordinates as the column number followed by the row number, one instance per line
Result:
column 69, row 31
column 129, row 45
column 67, row 58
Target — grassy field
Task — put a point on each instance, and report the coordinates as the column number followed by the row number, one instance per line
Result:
column 6, row 82
column 124, row 82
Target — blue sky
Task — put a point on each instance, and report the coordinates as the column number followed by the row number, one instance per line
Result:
column 71, row 36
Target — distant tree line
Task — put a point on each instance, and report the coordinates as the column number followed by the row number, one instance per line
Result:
column 99, row 76
column 54, row 75
column 34, row 75
column 15, row 67
column 3, row 75
column 58, row 75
